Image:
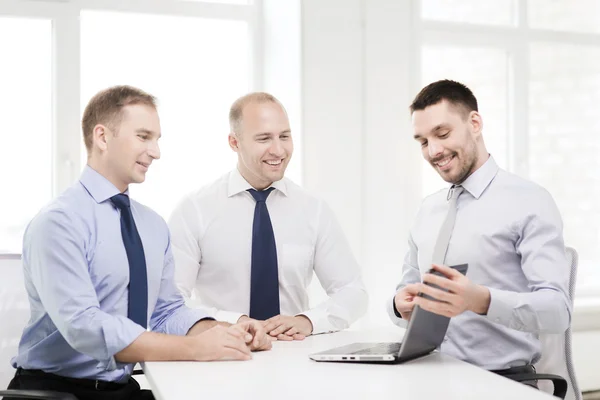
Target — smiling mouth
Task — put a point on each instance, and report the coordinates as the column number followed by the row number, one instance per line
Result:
column 444, row 161
column 143, row 164
column 274, row 163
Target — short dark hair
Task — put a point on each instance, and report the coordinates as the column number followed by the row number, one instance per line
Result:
column 456, row 93
column 106, row 107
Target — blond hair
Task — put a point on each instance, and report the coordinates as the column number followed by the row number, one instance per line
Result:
column 106, row 108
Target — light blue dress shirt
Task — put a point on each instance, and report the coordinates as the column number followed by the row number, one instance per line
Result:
column 77, row 275
column 509, row 231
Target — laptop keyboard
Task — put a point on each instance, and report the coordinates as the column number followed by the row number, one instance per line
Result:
column 381, row 348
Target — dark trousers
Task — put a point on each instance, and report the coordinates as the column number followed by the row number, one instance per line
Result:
column 514, row 371
column 83, row 389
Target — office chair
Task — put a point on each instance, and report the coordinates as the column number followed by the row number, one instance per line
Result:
column 556, row 364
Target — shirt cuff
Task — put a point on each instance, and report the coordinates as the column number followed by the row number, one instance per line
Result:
column 502, row 305
column 395, row 315
column 228, row 316
column 118, row 337
column 318, row 319
column 183, row 321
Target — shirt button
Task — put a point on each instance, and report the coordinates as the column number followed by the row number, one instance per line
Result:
column 445, row 338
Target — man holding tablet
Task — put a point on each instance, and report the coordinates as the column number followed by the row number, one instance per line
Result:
column 506, row 228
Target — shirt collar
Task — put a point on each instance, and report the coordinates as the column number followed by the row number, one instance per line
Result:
column 481, row 179
column 237, row 184
column 97, row 185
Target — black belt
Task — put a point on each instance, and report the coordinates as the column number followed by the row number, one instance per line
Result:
column 95, row 384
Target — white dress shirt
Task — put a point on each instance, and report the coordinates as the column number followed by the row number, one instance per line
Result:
column 509, row 231
column 211, row 234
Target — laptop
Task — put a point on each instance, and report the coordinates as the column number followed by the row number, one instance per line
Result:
column 424, row 334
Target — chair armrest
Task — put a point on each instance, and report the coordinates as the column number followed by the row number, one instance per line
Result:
column 36, row 394
column 560, row 384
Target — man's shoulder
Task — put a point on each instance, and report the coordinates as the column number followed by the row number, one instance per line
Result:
column 148, row 213
column 302, row 196
column 211, row 190
column 68, row 210
column 435, row 199
column 204, row 199
column 516, row 187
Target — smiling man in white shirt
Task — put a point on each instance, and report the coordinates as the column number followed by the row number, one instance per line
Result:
column 247, row 244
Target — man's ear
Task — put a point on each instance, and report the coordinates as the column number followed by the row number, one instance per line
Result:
column 99, row 137
column 234, row 141
column 476, row 123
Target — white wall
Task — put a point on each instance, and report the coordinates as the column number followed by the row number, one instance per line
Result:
column 333, row 108
column 355, row 94
column 586, row 353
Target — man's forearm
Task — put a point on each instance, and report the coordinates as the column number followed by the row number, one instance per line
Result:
column 339, row 311
column 205, row 325
column 542, row 311
column 151, row 346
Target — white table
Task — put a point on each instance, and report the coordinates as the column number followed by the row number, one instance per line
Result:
column 286, row 373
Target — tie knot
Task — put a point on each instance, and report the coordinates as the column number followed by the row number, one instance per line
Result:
column 454, row 192
column 262, row 195
column 121, row 201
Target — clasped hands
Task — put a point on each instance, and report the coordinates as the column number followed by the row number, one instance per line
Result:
column 212, row 340
column 285, row 327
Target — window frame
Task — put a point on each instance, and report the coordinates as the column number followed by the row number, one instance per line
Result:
column 66, row 56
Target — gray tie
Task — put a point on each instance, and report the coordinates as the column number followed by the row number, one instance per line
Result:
column 441, row 246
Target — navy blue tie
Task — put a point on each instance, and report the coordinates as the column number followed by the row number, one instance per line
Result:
column 264, row 281
column 137, row 309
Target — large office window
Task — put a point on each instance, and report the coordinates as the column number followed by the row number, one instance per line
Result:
column 498, row 12
column 564, row 143
column 535, row 67
column 195, row 56
column 26, row 133
column 196, row 67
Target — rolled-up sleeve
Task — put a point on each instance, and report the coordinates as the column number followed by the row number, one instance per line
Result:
column 171, row 315
column 55, row 255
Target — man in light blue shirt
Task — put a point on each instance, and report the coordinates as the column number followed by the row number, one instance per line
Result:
column 506, row 228
column 86, row 253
